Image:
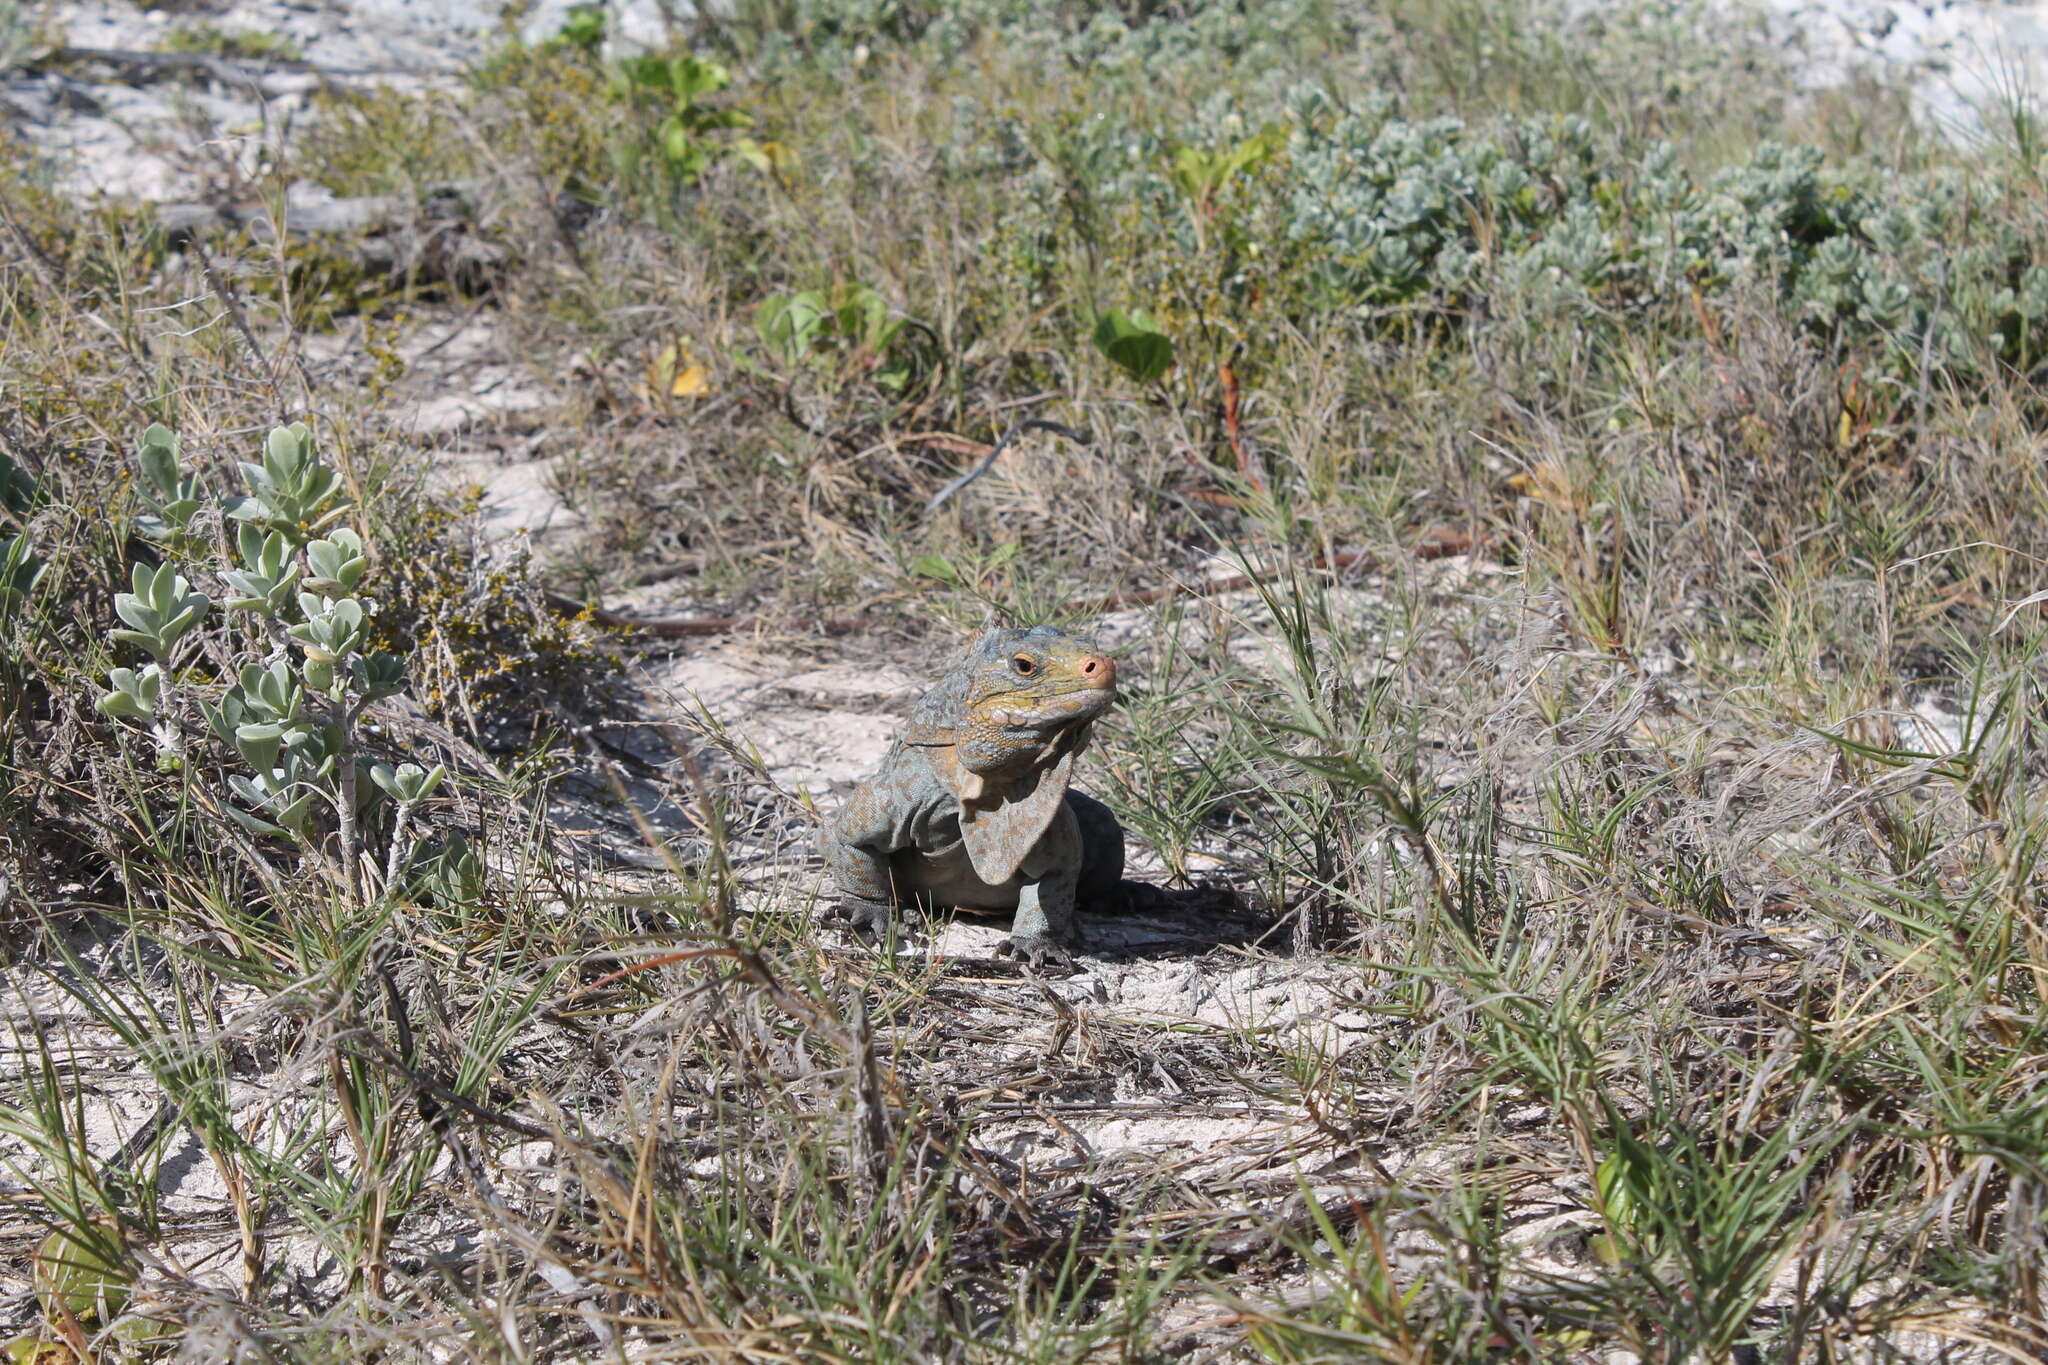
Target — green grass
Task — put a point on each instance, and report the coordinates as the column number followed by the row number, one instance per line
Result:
column 1684, row 980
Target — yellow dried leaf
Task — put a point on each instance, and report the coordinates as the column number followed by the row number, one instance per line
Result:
column 663, row 367
column 690, row 381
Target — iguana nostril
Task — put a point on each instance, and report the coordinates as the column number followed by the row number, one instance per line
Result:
column 1099, row 669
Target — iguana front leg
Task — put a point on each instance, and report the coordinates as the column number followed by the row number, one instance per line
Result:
column 1045, row 904
column 1033, row 939
column 857, row 843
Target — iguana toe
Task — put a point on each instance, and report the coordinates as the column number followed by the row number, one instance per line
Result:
column 865, row 919
column 1040, row 954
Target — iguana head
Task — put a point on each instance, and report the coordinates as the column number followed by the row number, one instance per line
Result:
column 1014, row 698
column 1004, row 726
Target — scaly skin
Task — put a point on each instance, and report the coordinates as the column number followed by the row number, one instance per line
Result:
column 971, row 808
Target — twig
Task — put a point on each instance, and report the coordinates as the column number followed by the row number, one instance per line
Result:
column 239, row 71
column 664, row 960
column 429, row 236
column 47, row 268
column 1078, row 437
column 870, row 1107
column 796, row 418
column 691, row 627
column 233, row 306
column 1440, row 543
column 457, row 330
column 1927, row 346
column 941, row 440
column 367, row 1042
column 349, row 833
column 1437, row 544
column 1233, row 431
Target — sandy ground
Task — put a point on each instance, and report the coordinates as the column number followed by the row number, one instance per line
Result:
column 163, row 140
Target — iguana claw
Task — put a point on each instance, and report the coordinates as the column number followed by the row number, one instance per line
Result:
column 865, row 919
column 1035, row 952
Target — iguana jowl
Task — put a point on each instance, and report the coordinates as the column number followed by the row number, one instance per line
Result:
column 972, row 809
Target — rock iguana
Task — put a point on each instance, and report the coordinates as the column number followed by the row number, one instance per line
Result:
column 972, row 810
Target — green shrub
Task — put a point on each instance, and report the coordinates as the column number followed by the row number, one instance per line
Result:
column 307, row 670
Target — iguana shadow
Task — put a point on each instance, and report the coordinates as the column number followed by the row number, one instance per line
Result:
column 1159, row 921
column 1146, row 922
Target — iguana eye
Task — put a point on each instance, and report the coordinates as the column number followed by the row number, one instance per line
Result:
column 1024, row 665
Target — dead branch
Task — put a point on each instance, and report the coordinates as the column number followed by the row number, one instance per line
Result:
column 432, row 238
column 1438, row 543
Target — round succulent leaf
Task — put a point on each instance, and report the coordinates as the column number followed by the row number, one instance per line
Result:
column 408, row 783
column 188, row 616
column 335, row 565
column 386, row 778
column 297, row 817
column 690, row 76
column 430, row 781
column 257, row 791
column 250, row 508
column 276, row 690
column 20, row 569
column 146, row 641
column 380, row 674
column 287, row 449
column 320, row 675
column 157, row 453
column 253, row 592
column 260, row 743
column 31, row 1349
column 255, row 824
column 123, row 705
column 1133, row 344
column 86, row 1271
column 135, row 692
column 789, row 323
column 137, row 612
column 163, row 588
column 226, row 716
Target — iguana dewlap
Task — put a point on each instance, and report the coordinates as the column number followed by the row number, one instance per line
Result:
column 972, row 809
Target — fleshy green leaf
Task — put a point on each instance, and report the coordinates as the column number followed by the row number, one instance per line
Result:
column 1134, row 345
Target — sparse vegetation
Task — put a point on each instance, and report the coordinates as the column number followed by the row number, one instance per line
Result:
column 1623, row 709
column 248, row 45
